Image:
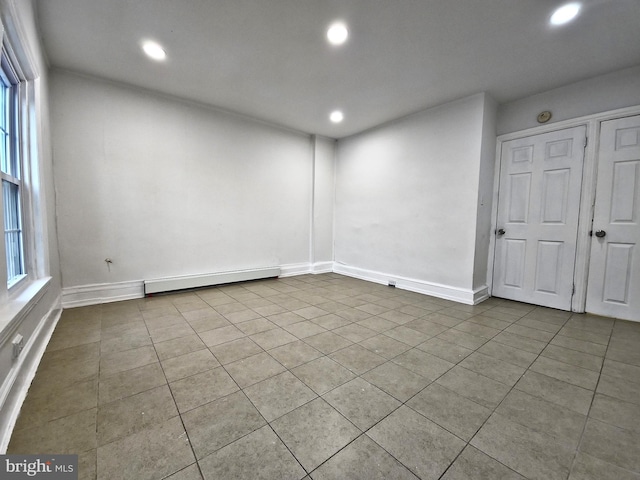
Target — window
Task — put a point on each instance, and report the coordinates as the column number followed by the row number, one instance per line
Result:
column 11, row 171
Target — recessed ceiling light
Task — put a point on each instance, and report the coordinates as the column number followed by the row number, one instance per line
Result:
column 154, row 50
column 565, row 14
column 336, row 116
column 337, row 33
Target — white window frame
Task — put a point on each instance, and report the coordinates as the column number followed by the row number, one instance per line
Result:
column 23, row 76
column 13, row 175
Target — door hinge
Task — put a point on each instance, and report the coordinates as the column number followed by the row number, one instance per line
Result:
column 573, row 290
column 586, row 141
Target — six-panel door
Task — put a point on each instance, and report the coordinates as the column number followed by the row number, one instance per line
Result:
column 538, row 210
column 614, row 268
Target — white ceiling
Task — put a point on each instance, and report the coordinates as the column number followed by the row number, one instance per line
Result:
column 269, row 59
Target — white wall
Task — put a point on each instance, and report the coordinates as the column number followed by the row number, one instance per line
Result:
column 323, row 201
column 407, row 197
column 599, row 94
column 164, row 187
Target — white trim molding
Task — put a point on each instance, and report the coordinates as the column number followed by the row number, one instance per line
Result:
column 183, row 282
column 84, row 295
column 322, row 267
column 15, row 386
column 94, row 294
column 447, row 292
column 294, row 269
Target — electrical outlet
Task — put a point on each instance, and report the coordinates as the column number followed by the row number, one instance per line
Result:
column 18, row 345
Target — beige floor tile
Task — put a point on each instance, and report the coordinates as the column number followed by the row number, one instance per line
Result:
column 323, row 374
column 132, row 414
column 460, row 416
column 295, row 353
column 55, row 403
column 130, row 382
column 149, row 454
column 273, row 338
column 616, row 412
column 475, row 387
column 314, row 432
column 221, row 335
column 422, row 363
column 248, row 456
column 278, row 395
column 254, row 369
column 221, row 422
column 472, row 464
column 534, row 455
column 179, row 346
column 327, row 342
column 385, row 346
column 567, row 373
column 363, row 459
column 542, row 416
column 556, row 391
column 361, row 403
column 73, row 434
column 446, row 350
column 491, row 367
column 586, row 467
column 189, row 364
column 357, row 359
column 196, row 390
column 612, row 444
column 116, row 362
column 235, row 350
column 422, row 446
column 397, row 381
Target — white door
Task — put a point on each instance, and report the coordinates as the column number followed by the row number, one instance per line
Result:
column 614, row 269
column 537, row 223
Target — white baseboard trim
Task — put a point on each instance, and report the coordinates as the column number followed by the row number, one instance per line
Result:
column 480, row 294
column 84, row 295
column 456, row 294
column 294, row 269
column 16, row 385
column 101, row 293
column 322, row 267
column 114, row 292
column 183, row 282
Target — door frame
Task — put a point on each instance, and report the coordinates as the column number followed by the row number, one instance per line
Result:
column 587, row 196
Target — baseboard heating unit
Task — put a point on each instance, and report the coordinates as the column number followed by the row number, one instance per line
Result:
column 185, row 282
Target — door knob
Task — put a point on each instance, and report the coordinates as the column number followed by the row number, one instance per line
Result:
column 600, row 233
column 500, row 231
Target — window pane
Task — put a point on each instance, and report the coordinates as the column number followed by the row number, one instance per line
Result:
column 10, row 163
column 4, row 151
column 4, row 131
column 12, row 230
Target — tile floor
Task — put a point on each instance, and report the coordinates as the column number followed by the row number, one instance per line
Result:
column 328, row 377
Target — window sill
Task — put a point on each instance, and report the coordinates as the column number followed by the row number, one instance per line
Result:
column 18, row 307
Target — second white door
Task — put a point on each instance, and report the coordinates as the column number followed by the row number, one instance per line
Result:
column 614, row 267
